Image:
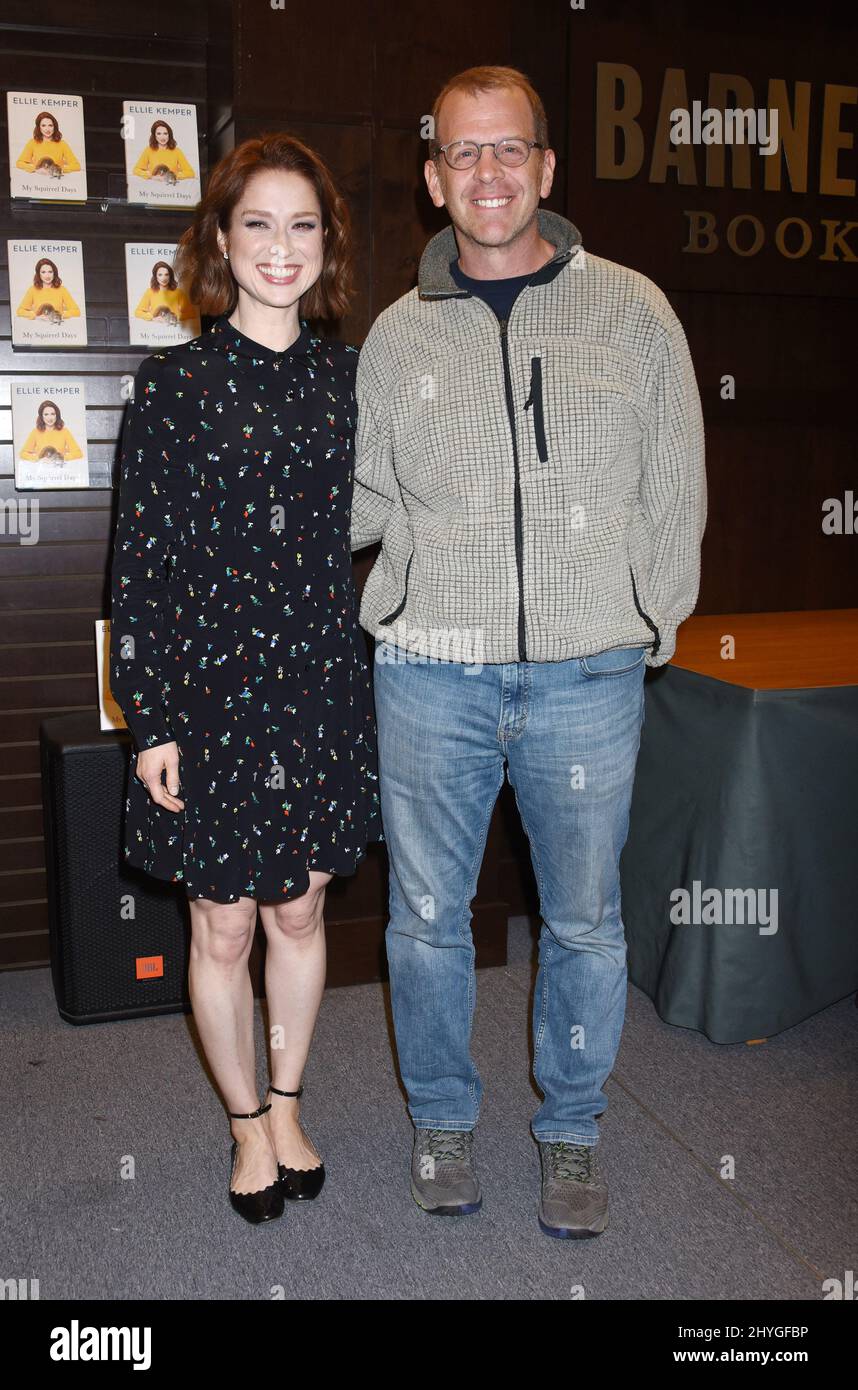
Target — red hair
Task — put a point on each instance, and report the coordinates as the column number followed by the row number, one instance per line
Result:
column 171, row 139
column 37, row 279
column 46, row 115
column 200, row 265
column 40, row 417
column 153, row 283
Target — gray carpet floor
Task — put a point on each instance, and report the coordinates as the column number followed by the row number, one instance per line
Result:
column 77, row 1101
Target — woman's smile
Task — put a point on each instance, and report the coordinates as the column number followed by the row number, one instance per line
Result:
column 279, row 275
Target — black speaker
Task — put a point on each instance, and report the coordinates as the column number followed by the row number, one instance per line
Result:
column 119, row 938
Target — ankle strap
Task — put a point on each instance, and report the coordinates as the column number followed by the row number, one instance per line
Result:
column 253, row 1114
column 299, row 1092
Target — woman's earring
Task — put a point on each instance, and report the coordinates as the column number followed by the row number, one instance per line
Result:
column 226, row 255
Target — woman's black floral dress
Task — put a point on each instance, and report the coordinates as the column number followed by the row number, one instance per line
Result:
column 234, row 616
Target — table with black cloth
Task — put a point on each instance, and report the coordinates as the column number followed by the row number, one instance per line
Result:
column 748, row 779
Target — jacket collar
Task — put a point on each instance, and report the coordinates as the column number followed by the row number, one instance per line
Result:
column 434, row 280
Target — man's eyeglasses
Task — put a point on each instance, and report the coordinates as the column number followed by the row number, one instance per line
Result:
column 465, row 154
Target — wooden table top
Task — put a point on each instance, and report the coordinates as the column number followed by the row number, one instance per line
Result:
column 773, row 651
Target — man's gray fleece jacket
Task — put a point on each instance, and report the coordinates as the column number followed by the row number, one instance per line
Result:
column 538, row 485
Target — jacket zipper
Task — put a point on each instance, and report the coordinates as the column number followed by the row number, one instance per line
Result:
column 519, row 534
column 396, row 612
column 510, row 410
column 535, row 400
column 650, row 624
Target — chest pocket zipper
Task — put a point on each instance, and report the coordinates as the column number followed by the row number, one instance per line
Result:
column 535, row 400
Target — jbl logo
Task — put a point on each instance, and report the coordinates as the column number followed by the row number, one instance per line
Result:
column 150, row 967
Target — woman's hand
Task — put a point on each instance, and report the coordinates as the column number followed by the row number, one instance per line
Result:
column 151, row 764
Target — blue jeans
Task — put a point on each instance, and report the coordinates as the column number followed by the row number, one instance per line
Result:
column 569, row 732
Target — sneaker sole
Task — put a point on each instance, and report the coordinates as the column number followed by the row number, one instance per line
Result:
column 570, row 1232
column 460, row 1209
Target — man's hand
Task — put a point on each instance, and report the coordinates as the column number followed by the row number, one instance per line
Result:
column 151, row 764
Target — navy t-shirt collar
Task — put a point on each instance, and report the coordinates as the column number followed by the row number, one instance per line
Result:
column 500, row 295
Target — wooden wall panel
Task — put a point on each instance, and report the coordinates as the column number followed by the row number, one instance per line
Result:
column 52, row 592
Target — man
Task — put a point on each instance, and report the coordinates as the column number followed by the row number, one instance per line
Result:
column 530, row 453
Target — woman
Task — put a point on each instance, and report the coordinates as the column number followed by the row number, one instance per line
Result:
column 47, row 150
column 164, row 299
column 162, row 157
column 241, row 670
column 47, row 295
column 51, row 438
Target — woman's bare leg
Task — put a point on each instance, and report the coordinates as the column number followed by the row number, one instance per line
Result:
column 222, row 1001
column 294, row 982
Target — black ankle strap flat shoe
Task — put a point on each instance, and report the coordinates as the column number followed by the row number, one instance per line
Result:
column 267, row 1203
column 299, row 1184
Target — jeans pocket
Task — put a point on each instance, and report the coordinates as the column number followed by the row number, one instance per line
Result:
column 616, row 662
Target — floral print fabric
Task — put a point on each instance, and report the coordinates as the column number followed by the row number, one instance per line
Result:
column 234, row 624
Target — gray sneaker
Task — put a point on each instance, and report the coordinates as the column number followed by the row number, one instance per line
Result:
column 443, row 1179
column 574, row 1200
